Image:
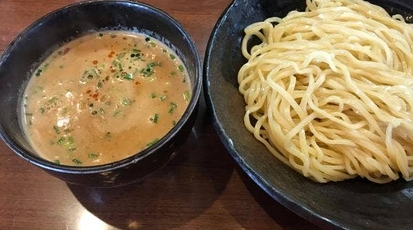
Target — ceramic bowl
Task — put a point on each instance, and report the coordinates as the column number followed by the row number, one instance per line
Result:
column 70, row 22
column 353, row 204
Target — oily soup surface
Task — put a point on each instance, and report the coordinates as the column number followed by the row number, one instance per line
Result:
column 104, row 97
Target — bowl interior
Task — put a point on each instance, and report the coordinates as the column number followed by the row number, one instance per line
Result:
column 352, row 204
column 32, row 45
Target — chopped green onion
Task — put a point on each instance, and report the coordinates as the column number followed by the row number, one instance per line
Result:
column 152, row 142
column 136, row 54
column 153, row 64
column 71, row 149
column 64, row 111
column 70, row 140
column 95, row 72
column 126, row 101
column 56, row 129
column 90, row 74
column 155, row 118
column 117, row 63
column 151, row 43
column 149, row 70
column 127, row 76
column 93, row 155
column 120, row 55
column 61, row 141
column 66, row 141
column 53, row 100
column 41, row 69
column 38, row 72
column 187, row 95
column 76, row 161
column 116, row 113
column 172, row 107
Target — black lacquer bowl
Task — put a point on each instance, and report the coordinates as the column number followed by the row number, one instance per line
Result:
column 353, row 204
column 36, row 41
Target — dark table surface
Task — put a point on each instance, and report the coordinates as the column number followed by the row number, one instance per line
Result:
column 202, row 188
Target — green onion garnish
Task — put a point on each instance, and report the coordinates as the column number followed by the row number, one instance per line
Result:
column 76, row 161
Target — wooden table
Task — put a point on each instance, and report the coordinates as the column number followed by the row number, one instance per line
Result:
column 200, row 189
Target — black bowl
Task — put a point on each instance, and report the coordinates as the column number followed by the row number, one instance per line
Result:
column 353, row 204
column 70, row 22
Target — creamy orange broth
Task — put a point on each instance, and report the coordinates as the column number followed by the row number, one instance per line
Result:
column 104, row 97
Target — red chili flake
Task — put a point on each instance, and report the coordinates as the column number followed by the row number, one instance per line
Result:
column 111, row 54
column 65, row 51
column 95, row 96
column 95, row 62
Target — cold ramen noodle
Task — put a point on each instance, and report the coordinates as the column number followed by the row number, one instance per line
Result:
column 104, row 97
column 329, row 91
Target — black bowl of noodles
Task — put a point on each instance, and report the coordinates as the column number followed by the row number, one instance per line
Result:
column 21, row 59
column 353, row 202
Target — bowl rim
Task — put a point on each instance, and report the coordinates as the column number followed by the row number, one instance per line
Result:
column 140, row 155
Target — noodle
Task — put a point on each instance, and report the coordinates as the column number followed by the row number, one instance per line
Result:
column 329, row 91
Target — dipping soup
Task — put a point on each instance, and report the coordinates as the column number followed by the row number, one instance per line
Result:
column 104, row 97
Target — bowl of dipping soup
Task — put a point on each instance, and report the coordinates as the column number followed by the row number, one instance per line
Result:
column 104, row 94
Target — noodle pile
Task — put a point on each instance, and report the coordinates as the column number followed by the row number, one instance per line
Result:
column 329, row 91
